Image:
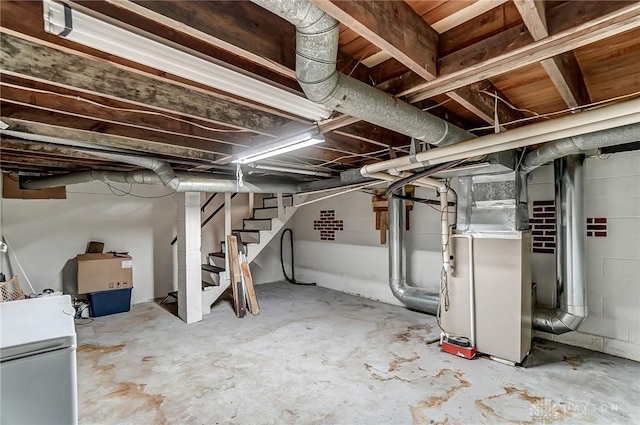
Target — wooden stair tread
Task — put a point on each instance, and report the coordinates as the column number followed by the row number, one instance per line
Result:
column 212, row 269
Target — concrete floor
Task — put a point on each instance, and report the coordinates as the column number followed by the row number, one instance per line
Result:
column 316, row 356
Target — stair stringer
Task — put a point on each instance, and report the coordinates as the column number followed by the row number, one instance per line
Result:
column 277, row 224
column 211, row 294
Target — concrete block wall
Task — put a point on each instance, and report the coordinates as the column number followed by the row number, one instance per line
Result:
column 613, row 262
column 356, row 263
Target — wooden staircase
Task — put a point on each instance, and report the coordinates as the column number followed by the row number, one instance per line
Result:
column 256, row 233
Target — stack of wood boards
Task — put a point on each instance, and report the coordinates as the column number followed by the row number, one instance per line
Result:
column 380, row 206
column 244, row 296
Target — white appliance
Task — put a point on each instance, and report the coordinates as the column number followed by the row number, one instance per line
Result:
column 501, row 271
column 38, row 380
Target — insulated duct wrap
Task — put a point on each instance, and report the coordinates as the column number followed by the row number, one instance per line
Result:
column 316, row 52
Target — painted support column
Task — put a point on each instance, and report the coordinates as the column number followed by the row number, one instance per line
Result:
column 189, row 258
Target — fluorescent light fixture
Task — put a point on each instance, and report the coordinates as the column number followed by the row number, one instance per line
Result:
column 98, row 33
column 278, row 148
column 292, row 170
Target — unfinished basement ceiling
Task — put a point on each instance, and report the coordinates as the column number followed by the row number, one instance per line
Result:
column 542, row 59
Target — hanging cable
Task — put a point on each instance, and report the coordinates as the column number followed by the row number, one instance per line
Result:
column 291, row 279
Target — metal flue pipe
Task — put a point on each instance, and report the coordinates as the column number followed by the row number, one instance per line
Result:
column 316, row 52
column 571, row 290
column 571, row 276
column 413, row 297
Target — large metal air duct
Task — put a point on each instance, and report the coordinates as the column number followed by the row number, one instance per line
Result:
column 571, row 276
column 186, row 182
column 316, row 52
column 571, row 284
column 581, row 143
column 415, row 298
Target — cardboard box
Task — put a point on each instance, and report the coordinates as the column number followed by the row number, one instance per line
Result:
column 104, row 272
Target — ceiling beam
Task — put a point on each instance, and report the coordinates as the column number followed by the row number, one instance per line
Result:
column 564, row 69
column 26, row 17
column 563, row 18
column 442, row 25
column 110, row 140
column 391, row 26
column 239, row 27
column 31, row 60
column 619, row 21
column 218, row 140
column 386, row 25
column 17, row 161
column 77, row 121
column 27, row 147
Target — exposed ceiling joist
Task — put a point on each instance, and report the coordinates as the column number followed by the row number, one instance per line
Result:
column 217, row 141
column 624, row 19
column 110, row 140
column 241, row 28
column 31, row 60
column 563, row 70
column 386, row 24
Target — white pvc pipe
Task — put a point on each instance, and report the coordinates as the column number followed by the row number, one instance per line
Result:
column 472, row 289
column 603, row 118
column 444, row 207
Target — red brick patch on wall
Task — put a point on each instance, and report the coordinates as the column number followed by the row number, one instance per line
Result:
column 328, row 225
column 543, row 227
column 597, row 227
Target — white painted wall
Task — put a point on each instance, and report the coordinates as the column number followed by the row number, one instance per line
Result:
column 356, row 262
column 47, row 234
column 613, row 263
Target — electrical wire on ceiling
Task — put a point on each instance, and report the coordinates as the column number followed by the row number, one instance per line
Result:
column 428, row 108
column 509, row 104
column 133, row 110
column 114, row 189
column 599, row 103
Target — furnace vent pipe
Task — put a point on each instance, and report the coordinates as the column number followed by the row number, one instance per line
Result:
column 162, row 169
column 571, row 278
column 571, row 288
column 316, row 52
column 414, row 297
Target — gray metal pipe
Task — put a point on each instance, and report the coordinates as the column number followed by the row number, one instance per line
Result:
column 413, row 297
column 571, row 276
column 188, row 182
column 316, row 52
column 585, row 142
column 162, row 169
column 571, row 286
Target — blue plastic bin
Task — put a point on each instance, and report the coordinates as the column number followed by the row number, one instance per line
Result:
column 109, row 302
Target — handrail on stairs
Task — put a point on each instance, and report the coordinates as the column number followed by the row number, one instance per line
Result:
column 208, row 219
